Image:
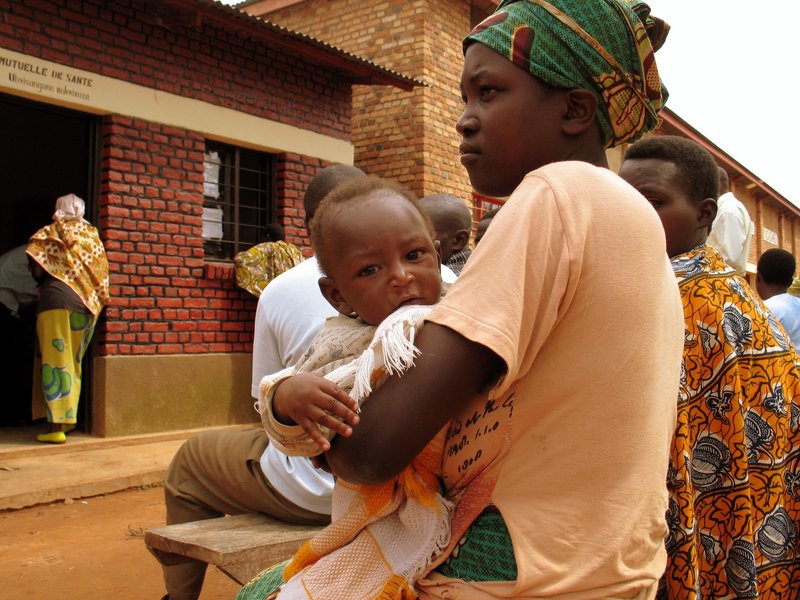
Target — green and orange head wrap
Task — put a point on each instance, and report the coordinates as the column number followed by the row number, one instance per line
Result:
column 603, row 45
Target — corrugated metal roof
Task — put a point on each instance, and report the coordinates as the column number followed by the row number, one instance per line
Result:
column 358, row 70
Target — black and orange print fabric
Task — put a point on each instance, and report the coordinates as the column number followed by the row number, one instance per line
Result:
column 734, row 477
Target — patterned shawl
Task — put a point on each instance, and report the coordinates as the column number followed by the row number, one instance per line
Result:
column 71, row 251
column 262, row 263
column 382, row 537
column 734, row 476
column 603, row 45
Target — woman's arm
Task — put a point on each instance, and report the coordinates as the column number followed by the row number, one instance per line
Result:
column 406, row 412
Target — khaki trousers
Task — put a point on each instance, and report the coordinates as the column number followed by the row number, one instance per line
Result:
column 218, row 473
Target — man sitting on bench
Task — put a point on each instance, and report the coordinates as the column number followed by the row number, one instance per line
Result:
column 230, row 472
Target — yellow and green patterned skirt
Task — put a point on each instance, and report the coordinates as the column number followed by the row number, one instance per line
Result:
column 64, row 336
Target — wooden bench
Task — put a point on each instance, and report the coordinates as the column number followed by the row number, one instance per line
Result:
column 241, row 546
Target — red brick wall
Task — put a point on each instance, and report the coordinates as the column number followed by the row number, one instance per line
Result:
column 409, row 136
column 124, row 40
column 767, row 212
column 294, row 174
column 164, row 298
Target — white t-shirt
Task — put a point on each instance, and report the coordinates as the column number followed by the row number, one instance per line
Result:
column 731, row 232
column 291, row 311
column 786, row 309
column 448, row 275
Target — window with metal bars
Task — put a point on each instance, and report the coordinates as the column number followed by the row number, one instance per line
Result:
column 483, row 204
column 239, row 199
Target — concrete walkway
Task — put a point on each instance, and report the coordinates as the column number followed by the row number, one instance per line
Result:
column 32, row 473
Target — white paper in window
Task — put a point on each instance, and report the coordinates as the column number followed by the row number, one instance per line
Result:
column 212, row 223
column 211, row 174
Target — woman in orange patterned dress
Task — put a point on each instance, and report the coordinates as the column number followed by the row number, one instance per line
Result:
column 734, row 477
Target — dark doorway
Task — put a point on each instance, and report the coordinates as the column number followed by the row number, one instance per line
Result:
column 47, row 152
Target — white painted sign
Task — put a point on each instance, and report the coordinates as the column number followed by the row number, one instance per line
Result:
column 54, row 83
column 770, row 236
column 48, row 79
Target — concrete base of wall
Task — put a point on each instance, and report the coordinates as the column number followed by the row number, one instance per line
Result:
column 147, row 394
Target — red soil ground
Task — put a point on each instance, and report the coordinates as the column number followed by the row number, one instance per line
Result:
column 90, row 548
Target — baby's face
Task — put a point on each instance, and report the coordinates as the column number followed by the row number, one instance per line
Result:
column 385, row 257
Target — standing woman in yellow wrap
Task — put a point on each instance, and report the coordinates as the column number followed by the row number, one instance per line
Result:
column 69, row 263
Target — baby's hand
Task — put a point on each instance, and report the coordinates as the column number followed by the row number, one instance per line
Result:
column 310, row 400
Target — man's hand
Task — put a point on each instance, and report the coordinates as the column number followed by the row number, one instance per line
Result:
column 310, row 401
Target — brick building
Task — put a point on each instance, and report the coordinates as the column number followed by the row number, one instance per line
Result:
column 188, row 127
column 148, row 108
column 414, row 140
column 408, row 137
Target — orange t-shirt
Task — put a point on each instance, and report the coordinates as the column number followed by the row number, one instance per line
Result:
column 572, row 288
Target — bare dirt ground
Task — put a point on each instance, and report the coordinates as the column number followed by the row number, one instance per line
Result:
column 90, row 548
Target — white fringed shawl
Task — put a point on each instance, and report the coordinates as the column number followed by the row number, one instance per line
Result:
column 352, row 354
column 382, row 537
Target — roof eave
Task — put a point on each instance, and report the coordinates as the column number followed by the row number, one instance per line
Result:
column 355, row 69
